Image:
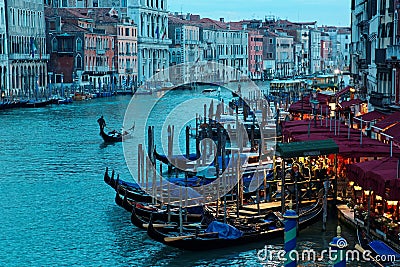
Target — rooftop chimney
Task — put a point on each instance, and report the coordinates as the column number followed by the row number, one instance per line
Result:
column 221, row 19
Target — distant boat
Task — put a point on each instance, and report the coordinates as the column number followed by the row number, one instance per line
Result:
column 37, row 103
column 209, row 90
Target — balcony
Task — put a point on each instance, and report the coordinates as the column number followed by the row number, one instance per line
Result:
column 102, row 68
column 393, row 53
column 28, row 56
column 100, row 51
column 150, row 40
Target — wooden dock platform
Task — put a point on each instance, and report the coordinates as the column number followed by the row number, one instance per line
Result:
column 346, row 216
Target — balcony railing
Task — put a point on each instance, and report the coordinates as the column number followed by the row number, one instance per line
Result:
column 100, row 51
column 154, row 40
column 98, row 68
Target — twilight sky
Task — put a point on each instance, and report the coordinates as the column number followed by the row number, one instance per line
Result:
column 325, row 12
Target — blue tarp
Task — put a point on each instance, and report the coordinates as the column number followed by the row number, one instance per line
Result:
column 225, row 231
column 381, row 248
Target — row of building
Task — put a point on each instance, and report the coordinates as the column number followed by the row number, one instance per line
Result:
column 105, row 44
column 375, row 50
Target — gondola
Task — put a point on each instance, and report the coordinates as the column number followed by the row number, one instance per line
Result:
column 381, row 254
column 37, row 104
column 108, row 138
column 135, row 192
column 242, row 234
column 140, row 217
column 114, row 136
column 175, row 158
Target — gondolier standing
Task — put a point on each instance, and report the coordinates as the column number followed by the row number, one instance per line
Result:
column 102, row 123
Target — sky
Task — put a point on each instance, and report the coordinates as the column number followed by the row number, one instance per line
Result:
column 325, row 12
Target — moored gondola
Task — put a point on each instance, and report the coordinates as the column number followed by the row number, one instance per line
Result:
column 174, row 158
column 271, row 227
column 380, row 253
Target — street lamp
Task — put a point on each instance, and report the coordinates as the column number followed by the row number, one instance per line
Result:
column 62, row 84
column 314, row 106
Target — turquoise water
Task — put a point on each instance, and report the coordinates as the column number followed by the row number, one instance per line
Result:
column 57, row 211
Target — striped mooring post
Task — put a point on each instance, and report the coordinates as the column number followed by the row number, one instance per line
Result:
column 338, row 247
column 290, row 237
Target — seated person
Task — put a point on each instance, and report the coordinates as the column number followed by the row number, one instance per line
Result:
column 295, row 174
column 113, row 132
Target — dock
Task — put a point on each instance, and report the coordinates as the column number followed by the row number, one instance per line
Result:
column 346, row 216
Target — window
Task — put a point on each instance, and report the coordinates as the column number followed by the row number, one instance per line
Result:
column 54, row 45
column 78, row 44
column 126, row 31
column 78, row 62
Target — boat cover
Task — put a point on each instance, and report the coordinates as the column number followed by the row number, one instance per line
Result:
column 225, row 231
column 381, row 248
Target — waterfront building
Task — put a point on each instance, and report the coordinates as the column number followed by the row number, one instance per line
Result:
column 284, row 55
column 186, row 47
column 344, row 43
column 218, row 41
column 326, row 52
column 26, row 39
column 255, row 54
column 125, row 66
column 269, row 55
column 315, row 50
column 151, row 18
column 226, row 45
column 374, row 50
column 3, row 51
column 82, row 56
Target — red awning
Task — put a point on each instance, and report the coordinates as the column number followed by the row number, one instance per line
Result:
column 389, row 120
column 393, row 131
column 348, row 104
column 393, row 188
column 378, row 175
column 343, row 91
column 304, row 105
column 372, row 116
column 356, row 172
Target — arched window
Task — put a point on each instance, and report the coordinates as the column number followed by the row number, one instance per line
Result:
column 54, row 45
column 78, row 44
column 78, row 62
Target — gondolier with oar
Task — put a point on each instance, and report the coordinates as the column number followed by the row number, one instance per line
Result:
column 102, row 123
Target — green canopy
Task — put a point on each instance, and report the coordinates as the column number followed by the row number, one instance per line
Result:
column 305, row 149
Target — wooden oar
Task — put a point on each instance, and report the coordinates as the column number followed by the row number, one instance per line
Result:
column 146, row 225
column 359, row 248
column 175, row 238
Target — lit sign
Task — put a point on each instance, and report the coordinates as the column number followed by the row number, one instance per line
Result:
column 312, row 153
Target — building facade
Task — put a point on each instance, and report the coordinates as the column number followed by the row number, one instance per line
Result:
column 344, row 43
column 27, row 58
column 315, row 51
column 151, row 17
column 284, row 56
column 3, row 51
column 255, row 55
column 374, row 63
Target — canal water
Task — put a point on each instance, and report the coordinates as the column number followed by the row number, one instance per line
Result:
column 57, row 211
